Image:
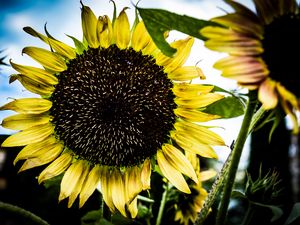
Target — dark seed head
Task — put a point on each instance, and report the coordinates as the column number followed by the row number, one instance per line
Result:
column 113, row 107
column 281, row 46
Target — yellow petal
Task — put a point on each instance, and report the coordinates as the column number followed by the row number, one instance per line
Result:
column 203, row 134
column 243, row 47
column 150, row 48
column 146, row 174
column 42, row 157
column 267, row 94
column 59, row 47
column 186, row 73
column 192, row 144
column 36, row 74
column 106, row 188
column 70, row 179
column 32, row 149
column 132, row 208
column 31, row 163
column 208, row 174
column 133, row 183
column 183, row 50
column 179, row 161
column 49, row 60
column 122, row 30
column 89, row 26
column 198, row 101
column 194, row 160
column 289, row 103
column 56, row 167
column 24, row 121
column 185, row 90
column 140, row 37
column 104, row 31
column 28, row 105
column 32, row 85
column 172, row 174
column 287, row 96
column 118, row 191
column 79, row 184
column 90, row 184
column 31, row 135
column 241, row 23
column 194, row 115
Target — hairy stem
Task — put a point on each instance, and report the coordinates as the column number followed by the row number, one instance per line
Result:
column 236, row 155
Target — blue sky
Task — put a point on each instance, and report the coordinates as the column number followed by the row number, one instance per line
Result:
column 63, row 17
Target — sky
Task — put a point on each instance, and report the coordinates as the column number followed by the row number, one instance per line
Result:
column 63, row 17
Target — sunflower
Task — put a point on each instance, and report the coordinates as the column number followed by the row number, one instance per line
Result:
column 260, row 46
column 109, row 110
column 187, row 207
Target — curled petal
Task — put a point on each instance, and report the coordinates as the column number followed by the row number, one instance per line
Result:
column 122, row 30
column 89, row 26
column 59, row 47
column 267, row 94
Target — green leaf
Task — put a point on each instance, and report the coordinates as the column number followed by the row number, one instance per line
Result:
column 158, row 21
column 228, row 107
column 104, row 222
column 295, row 214
column 118, row 219
column 93, row 218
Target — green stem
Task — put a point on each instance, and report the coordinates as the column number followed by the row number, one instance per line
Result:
column 236, row 155
column 22, row 212
column 162, row 205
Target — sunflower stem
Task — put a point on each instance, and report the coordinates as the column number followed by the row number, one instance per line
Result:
column 22, row 212
column 236, row 155
column 162, row 205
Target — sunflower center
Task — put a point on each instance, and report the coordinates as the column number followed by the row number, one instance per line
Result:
column 281, row 45
column 113, row 107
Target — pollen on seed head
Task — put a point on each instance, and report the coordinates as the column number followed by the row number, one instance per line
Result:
column 113, row 107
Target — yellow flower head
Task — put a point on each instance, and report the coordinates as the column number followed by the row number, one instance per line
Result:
column 260, row 46
column 108, row 110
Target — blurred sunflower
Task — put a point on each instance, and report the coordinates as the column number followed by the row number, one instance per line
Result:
column 260, row 47
column 108, row 109
column 187, row 207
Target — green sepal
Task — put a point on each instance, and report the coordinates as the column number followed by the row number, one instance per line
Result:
column 79, row 46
